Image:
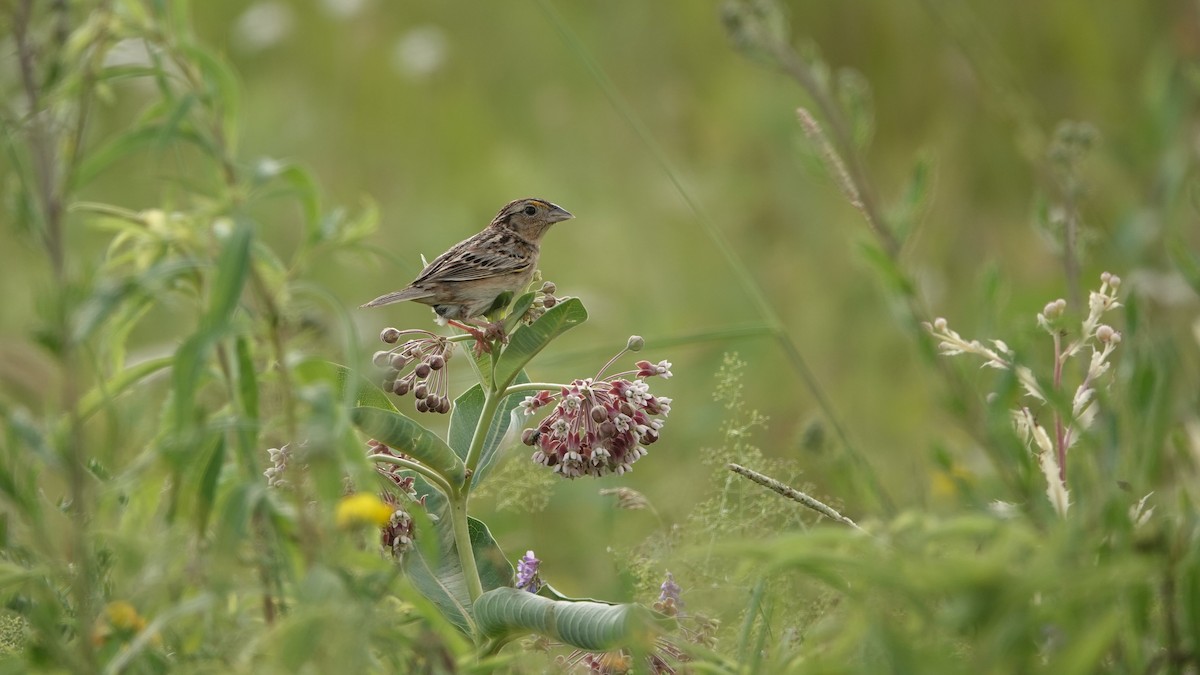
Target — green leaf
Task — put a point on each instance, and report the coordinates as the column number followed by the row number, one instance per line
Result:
column 248, row 421
column 529, row 340
column 552, row 593
column 126, row 144
column 341, row 378
column 233, row 268
column 222, row 95
column 300, row 182
column 406, row 436
column 441, row 580
column 506, row 613
column 887, row 269
column 465, row 418
column 517, row 311
column 247, row 379
column 206, row 491
column 94, row 399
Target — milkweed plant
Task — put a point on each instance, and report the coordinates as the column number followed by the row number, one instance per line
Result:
column 590, row 427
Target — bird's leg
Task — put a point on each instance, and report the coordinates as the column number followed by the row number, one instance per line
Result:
column 484, row 333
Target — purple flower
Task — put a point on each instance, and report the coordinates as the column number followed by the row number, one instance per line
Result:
column 527, row 573
column 669, row 602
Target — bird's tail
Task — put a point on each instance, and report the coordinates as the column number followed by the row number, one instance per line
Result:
column 409, row 293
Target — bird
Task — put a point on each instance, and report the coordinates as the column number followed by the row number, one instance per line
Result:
column 480, row 275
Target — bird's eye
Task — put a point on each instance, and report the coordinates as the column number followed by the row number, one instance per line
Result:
column 530, row 210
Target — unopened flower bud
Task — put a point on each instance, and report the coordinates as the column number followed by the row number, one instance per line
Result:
column 381, row 359
column 1106, row 334
column 400, row 387
column 1105, row 277
column 607, row 429
column 398, row 361
column 549, row 288
column 599, row 414
column 530, row 436
column 549, row 301
column 1053, row 310
column 436, row 361
column 421, row 391
column 390, row 335
column 444, row 405
column 940, row 325
column 422, row 406
column 1114, row 281
column 635, row 343
column 422, row 370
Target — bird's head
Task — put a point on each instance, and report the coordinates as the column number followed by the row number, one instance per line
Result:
column 530, row 218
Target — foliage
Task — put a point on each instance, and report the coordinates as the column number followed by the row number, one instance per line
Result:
column 177, row 327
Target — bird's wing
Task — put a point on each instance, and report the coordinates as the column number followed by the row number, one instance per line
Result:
column 475, row 259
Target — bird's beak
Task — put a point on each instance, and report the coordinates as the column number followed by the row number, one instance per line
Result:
column 559, row 214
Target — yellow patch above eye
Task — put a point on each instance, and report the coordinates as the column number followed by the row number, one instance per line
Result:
column 539, row 202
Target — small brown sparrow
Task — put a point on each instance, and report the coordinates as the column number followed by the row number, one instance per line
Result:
column 478, row 274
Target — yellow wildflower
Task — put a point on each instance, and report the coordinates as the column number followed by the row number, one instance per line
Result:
column 362, row 508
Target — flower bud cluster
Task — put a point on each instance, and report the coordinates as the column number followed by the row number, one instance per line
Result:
column 280, row 457
column 417, row 365
column 1051, row 443
column 598, row 427
column 543, row 300
column 403, row 481
column 396, row 535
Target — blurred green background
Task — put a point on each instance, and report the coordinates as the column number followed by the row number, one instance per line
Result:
column 439, row 113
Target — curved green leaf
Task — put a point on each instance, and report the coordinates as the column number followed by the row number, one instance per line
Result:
column 94, row 399
column 126, row 144
column 233, row 265
column 529, row 340
column 505, row 613
column 440, row 578
column 350, row 386
column 517, row 311
column 410, row 438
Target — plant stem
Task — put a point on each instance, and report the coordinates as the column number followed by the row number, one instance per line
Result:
column 458, row 497
column 1060, row 440
column 531, row 386
column 462, row 540
column 491, row 402
column 428, row 474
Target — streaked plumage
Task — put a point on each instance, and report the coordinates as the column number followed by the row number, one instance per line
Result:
column 466, row 281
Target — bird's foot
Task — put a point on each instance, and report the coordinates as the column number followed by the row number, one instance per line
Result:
column 485, row 334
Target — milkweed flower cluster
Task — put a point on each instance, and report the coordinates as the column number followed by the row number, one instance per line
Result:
column 598, row 426
column 401, row 479
column 279, row 463
column 396, row 534
column 1051, row 444
column 417, row 365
